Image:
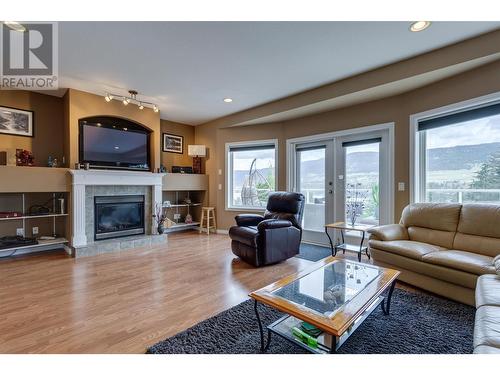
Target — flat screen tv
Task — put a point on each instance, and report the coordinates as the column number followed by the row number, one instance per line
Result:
column 111, row 142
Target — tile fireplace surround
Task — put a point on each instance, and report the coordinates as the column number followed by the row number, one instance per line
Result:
column 86, row 184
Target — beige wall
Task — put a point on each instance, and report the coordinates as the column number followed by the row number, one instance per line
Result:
column 187, row 131
column 397, row 109
column 48, row 125
column 79, row 104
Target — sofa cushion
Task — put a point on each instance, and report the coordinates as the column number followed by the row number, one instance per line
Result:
column 486, row 349
column 487, row 326
column 461, row 260
column 402, row 263
column 410, row 249
column 246, row 235
column 480, row 220
column 488, row 290
column 432, row 236
column 439, row 216
column 496, row 264
column 477, row 244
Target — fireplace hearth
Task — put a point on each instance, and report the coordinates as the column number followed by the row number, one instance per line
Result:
column 118, row 216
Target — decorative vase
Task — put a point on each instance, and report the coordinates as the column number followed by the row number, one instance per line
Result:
column 353, row 218
column 160, row 228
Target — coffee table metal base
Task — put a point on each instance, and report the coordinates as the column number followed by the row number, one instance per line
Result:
column 281, row 327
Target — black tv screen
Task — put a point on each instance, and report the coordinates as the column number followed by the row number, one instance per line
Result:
column 114, row 144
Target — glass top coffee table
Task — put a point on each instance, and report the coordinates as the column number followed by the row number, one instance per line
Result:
column 325, row 303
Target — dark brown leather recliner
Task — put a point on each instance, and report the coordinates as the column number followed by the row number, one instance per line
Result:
column 274, row 237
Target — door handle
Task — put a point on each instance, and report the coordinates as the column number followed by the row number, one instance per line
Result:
column 330, row 191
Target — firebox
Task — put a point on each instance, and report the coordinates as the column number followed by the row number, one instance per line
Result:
column 118, row 216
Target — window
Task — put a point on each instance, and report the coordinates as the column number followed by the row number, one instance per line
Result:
column 251, row 173
column 458, row 156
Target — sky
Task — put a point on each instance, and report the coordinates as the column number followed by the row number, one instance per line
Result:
column 243, row 159
column 473, row 132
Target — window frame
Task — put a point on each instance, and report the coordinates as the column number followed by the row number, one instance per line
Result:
column 229, row 172
column 418, row 139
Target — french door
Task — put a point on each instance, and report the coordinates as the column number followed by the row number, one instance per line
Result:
column 342, row 174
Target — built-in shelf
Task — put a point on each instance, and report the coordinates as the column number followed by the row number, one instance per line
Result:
column 30, row 217
column 40, row 245
column 33, row 179
column 185, row 182
column 182, row 205
column 181, row 226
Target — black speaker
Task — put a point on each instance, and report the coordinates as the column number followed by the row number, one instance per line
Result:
column 177, row 169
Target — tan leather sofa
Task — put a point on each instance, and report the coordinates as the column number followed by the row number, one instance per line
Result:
column 442, row 248
column 487, row 324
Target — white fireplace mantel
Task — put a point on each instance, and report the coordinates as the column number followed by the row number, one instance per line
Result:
column 82, row 178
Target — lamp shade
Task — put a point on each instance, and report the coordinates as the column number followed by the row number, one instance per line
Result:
column 197, row 150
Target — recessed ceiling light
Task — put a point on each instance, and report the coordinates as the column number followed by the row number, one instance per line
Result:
column 228, row 100
column 419, row 26
column 117, row 148
column 16, row 26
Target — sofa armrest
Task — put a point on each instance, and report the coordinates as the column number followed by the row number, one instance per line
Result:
column 248, row 220
column 390, row 232
column 273, row 224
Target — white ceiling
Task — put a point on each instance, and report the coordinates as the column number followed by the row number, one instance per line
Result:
column 189, row 67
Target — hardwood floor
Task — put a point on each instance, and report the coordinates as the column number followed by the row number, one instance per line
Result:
column 122, row 303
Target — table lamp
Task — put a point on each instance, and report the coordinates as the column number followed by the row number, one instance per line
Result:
column 197, row 152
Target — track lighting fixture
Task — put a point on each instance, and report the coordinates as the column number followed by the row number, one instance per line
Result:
column 131, row 99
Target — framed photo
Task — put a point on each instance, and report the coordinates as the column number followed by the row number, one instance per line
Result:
column 173, row 143
column 15, row 121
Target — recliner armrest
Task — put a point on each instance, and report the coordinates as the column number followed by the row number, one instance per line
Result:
column 248, row 220
column 273, row 224
column 390, row 232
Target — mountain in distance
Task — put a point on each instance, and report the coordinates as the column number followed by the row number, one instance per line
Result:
column 460, row 157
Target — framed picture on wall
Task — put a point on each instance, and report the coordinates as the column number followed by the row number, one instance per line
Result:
column 15, row 121
column 173, row 143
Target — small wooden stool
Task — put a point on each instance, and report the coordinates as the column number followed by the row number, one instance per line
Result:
column 207, row 214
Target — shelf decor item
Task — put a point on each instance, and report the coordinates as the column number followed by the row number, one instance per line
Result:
column 24, row 158
column 16, row 122
column 159, row 218
column 197, row 152
column 173, row 143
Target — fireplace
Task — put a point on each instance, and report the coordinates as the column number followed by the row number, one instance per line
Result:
column 118, row 216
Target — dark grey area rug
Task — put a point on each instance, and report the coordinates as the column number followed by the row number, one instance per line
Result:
column 418, row 324
column 313, row 252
